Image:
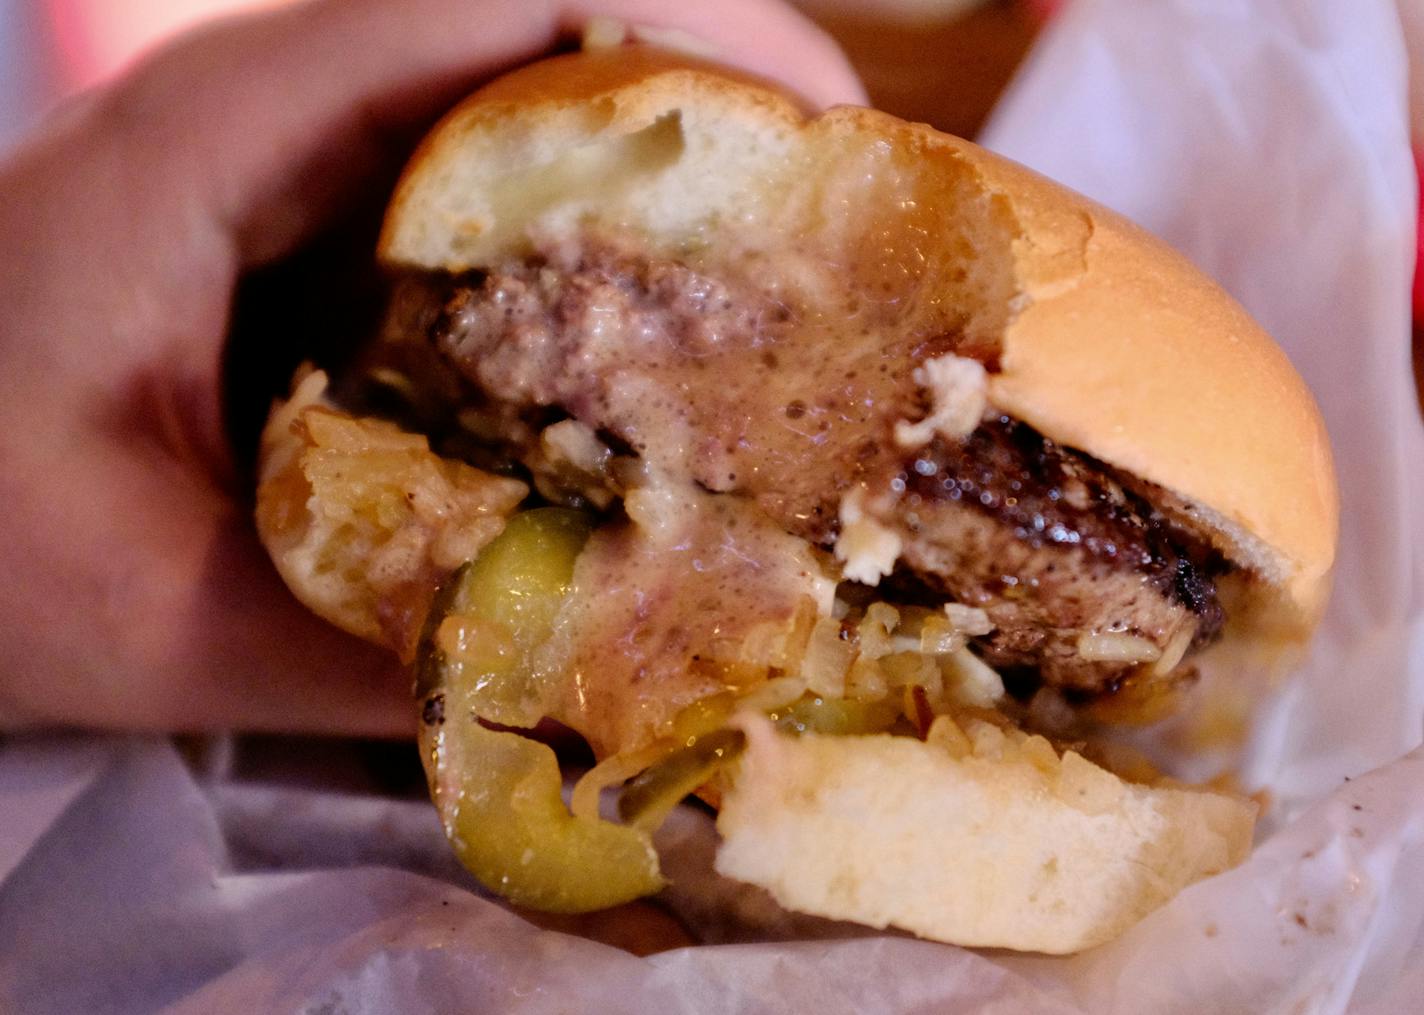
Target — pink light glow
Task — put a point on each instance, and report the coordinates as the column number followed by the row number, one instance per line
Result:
column 96, row 38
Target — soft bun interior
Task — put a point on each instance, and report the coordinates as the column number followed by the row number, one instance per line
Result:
column 981, row 836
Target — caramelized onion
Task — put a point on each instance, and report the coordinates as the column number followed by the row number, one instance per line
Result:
column 1114, row 647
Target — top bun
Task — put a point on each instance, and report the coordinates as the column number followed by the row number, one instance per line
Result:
column 1097, row 334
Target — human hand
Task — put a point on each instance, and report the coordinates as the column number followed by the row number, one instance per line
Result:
column 134, row 592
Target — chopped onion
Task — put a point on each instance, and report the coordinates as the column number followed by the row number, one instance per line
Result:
column 875, row 630
column 775, row 693
column 1175, row 651
column 940, row 636
column 780, row 643
column 971, row 681
column 909, row 669
column 1112, row 647
column 572, row 442
column 866, row 682
column 827, row 658
column 945, row 733
column 968, row 620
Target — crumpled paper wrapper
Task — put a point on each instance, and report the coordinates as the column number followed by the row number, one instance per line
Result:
column 1266, row 140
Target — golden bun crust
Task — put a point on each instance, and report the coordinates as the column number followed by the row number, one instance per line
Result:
column 1107, row 340
column 1144, row 362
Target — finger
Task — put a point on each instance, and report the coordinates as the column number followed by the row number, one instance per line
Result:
column 140, row 599
column 255, row 659
column 770, row 39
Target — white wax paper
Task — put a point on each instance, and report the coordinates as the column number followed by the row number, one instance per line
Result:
column 1267, row 139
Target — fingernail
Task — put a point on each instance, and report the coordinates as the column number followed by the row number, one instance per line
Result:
column 602, row 32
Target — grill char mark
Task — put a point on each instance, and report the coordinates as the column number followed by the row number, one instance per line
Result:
column 1052, row 546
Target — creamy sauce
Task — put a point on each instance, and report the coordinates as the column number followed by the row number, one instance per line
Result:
column 742, row 384
column 663, row 605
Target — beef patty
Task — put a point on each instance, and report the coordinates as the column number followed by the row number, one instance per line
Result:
column 1053, row 547
column 739, row 387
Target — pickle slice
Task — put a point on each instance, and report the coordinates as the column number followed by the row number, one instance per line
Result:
column 840, row 716
column 489, row 618
column 498, row 796
column 498, row 793
column 650, row 797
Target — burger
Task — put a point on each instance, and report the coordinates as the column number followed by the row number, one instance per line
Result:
column 881, row 494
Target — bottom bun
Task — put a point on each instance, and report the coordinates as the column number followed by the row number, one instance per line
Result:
column 980, row 835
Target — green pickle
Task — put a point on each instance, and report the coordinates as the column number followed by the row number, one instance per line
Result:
column 836, row 716
column 650, row 797
column 505, row 818
column 499, row 793
column 506, row 600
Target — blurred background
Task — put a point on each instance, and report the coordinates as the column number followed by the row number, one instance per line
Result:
column 941, row 61
column 52, row 48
